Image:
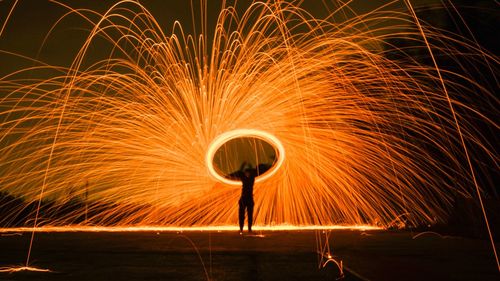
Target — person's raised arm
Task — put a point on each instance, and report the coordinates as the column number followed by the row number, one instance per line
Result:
column 238, row 174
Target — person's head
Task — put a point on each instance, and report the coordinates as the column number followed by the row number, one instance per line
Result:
column 248, row 172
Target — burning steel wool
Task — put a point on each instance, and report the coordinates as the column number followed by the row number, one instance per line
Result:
column 364, row 132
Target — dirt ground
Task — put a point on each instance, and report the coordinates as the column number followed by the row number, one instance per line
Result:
column 270, row 255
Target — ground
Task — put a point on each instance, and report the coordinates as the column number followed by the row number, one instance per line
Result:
column 268, row 255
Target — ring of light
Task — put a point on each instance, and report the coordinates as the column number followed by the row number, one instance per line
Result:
column 227, row 136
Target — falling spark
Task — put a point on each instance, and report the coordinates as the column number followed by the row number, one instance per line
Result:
column 367, row 137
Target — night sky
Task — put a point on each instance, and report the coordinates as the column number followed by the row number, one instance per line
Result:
column 32, row 20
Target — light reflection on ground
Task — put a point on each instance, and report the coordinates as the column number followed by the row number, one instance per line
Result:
column 77, row 228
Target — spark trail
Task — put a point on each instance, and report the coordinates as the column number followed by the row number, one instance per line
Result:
column 364, row 127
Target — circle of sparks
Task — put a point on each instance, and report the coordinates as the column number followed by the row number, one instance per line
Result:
column 227, row 136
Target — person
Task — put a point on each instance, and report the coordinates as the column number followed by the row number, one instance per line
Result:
column 247, row 177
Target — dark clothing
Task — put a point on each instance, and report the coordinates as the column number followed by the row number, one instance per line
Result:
column 246, row 199
column 247, row 186
column 246, row 183
column 245, row 204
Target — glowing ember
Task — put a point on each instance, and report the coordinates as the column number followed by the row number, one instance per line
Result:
column 22, row 268
column 370, row 133
column 231, row 228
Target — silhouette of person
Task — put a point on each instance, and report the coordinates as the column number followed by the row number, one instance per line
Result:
column 247, row 177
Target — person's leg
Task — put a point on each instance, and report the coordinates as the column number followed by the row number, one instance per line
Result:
column 250, row 216
column 241, row 214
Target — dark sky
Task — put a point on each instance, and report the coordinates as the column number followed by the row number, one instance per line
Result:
column 32, row 19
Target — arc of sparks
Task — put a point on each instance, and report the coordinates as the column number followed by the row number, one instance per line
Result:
column 366, row 126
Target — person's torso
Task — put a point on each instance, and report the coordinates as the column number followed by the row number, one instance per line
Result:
column 247, row 189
